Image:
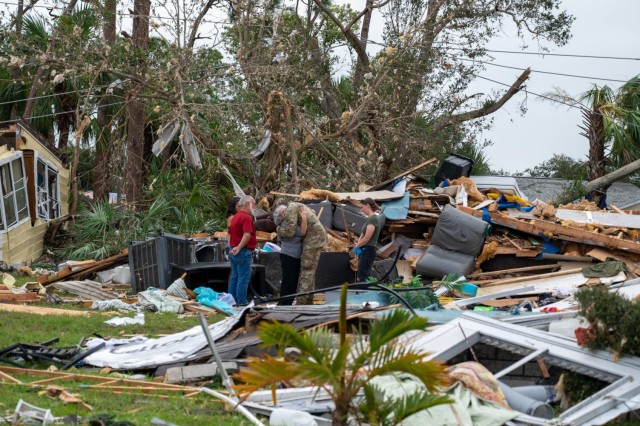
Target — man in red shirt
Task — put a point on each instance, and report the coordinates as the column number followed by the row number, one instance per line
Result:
column 242, row 240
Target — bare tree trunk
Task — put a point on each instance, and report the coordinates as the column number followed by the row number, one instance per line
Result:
column 135, row 106
column 64, row 135
column 593, row 130
column 101, row 174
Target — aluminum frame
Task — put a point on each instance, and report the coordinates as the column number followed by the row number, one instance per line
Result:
column 620, row 396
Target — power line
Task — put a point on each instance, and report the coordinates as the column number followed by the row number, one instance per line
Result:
column 539, row 71
column 568, row 55
column 15, row 101
column 54, row 114
column 528, row 91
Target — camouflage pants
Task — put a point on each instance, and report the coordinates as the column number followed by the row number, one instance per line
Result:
column 307, row 281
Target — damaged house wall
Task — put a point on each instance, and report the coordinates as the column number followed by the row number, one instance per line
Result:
column 35, row 191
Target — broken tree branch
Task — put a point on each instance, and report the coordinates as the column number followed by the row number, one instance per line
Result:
column 598, row 183
column 487, row 109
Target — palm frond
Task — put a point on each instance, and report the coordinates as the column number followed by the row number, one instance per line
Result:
column 35, row 30
column 285, row 335
column 264, row 372
column 412, row 404
column 382, row 410
column 393, row 325
column 344, row 365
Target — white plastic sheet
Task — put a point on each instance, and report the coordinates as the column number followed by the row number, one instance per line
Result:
column 164, row 350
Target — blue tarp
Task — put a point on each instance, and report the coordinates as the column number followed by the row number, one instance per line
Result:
column 396, row 209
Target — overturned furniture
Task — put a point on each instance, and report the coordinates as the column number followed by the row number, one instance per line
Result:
column 457, row 240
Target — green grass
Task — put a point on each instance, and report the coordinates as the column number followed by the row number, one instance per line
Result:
column 138, row 409
column 201, row 409
column 17, row 327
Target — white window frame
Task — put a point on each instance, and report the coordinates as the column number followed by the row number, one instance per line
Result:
column 43, row 199
column 621, row 395
column 13, row 194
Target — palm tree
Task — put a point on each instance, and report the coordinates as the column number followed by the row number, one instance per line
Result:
column 611, row 121
column 345, row 371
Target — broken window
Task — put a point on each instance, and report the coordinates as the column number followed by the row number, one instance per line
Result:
column 14, row 193
column 47, row 191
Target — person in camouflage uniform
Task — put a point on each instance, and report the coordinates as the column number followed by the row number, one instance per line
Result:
column 312, row 245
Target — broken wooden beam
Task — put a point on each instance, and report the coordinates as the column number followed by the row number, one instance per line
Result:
column 81, row 273
column 549, row 229
column 514, row 280
column 403, row 174
column 524, row 270
column 19, row 297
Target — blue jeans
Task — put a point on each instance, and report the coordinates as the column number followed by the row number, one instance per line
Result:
column 240, row 275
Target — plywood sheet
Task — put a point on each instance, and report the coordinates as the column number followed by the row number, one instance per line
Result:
column 601, row 218
column 374, row 195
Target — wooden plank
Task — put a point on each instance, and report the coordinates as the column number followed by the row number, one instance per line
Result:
column 424, row 214
column 616, row 209
column 19, row 297
column 206, row 310
column 566, row 257
column 540, row 227
column 542, row 283
column 601, row 218
column 374, row 195
column 502, row 303
column 514, row 271
column 516, row 252
column 42, row 311
column 403, row 174
column 533, row 277
column 86, row 271
column 8, row 377
column 105, row 383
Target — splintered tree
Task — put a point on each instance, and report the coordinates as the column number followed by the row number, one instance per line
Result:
column 358, row 116
column 310, row 94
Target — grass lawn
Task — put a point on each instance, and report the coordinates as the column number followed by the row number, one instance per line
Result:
column 137, row 408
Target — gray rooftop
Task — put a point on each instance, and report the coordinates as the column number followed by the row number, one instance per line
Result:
column 620, row 194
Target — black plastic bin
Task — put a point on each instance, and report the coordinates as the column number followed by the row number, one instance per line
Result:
column 150, row 261
column 453, row 167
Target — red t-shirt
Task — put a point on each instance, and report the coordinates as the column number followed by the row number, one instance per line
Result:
column 242, row 223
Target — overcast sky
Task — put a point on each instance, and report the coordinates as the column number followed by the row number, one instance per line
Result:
column 602, row 28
